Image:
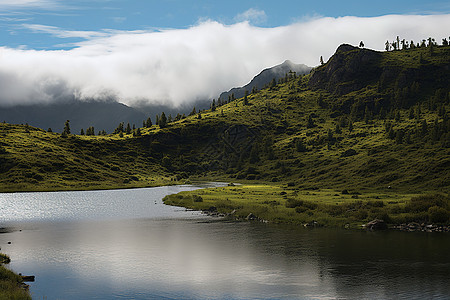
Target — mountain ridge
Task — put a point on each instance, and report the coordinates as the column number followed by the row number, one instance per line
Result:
column 370, row 136
column 265, row 77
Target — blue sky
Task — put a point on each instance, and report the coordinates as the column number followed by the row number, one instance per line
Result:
column 174, row 52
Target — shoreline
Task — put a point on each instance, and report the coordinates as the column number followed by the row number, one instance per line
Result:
column 320, row 208
column 13, row 286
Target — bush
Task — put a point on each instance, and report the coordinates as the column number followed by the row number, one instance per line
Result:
column 377, row 203
column 423, row 203
column 197, row 198
column 293, row 203
column 300, row 209
column 438, row 214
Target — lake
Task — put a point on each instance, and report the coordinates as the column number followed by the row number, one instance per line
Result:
column 126, row 244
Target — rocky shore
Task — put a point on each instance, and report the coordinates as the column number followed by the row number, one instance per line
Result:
column 410, row 227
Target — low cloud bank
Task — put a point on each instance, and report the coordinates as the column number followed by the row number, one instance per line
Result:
column 179, row 66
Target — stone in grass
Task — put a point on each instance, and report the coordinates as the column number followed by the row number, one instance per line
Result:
column 251, row 217
column 376, row 225
column 349, row 152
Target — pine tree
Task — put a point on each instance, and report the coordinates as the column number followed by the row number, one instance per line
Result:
column 66, row 130
column 119, row 128
column 254, row 154
column 137, row 132
column 246, row 98
column 299, row 145
column 128, row 130
column 424, row 128
column 82, row 131
column 310, row 122
column 350, row 126
column 399, row 136
column 411, row 113
column 163, row 120
column 148, row 123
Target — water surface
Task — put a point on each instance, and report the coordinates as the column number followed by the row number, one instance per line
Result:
column 121, row 245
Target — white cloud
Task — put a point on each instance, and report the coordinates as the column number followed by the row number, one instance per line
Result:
column 182, row 65
column 252, row 15
column 58, row 32
column 44, row 4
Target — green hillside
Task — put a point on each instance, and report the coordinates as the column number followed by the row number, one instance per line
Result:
column 365, row 121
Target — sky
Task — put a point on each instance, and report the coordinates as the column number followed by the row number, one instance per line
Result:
column 174, row 52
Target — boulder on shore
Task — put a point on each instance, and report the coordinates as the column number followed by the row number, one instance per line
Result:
column 376, row 225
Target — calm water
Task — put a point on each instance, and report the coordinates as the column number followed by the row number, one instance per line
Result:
column 126, row 244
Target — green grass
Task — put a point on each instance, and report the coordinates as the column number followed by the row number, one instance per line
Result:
column 257, row 143
column 284, row 204
column 11, row 284
column 35, row 160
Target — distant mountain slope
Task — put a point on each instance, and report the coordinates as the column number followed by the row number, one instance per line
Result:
column 266, row 76
column 101, row 115
column 365, row 120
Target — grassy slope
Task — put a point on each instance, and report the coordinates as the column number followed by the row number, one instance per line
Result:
column 35, row 160
column 10, row 283
column 282, row 204
column 259, row 141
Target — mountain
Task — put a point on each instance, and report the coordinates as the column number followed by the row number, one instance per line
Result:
column 106, row 115
column 365, row 120
column 102, row 115
column 365, row 136
column 266, row 76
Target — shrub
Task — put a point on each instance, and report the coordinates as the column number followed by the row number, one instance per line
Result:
column 293, row 203
column 300, row 209
column 438, row 214
column 197, row 198
column 377, row 203
column 423, row 203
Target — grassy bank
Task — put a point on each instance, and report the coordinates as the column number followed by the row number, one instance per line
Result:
column 284, row 204
column 11, row 284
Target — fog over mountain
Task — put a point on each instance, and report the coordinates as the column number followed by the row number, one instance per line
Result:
column 173, row 67
column 266, row 76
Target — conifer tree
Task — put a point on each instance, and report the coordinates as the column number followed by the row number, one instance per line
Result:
column 119, row 128
column 310, row 122
column 387, row 46
column 66, row 130
column 82, row 131
column 163, row 120
column 424, row 127
column 128, row 130
column 148, row 123
column 350, row 126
